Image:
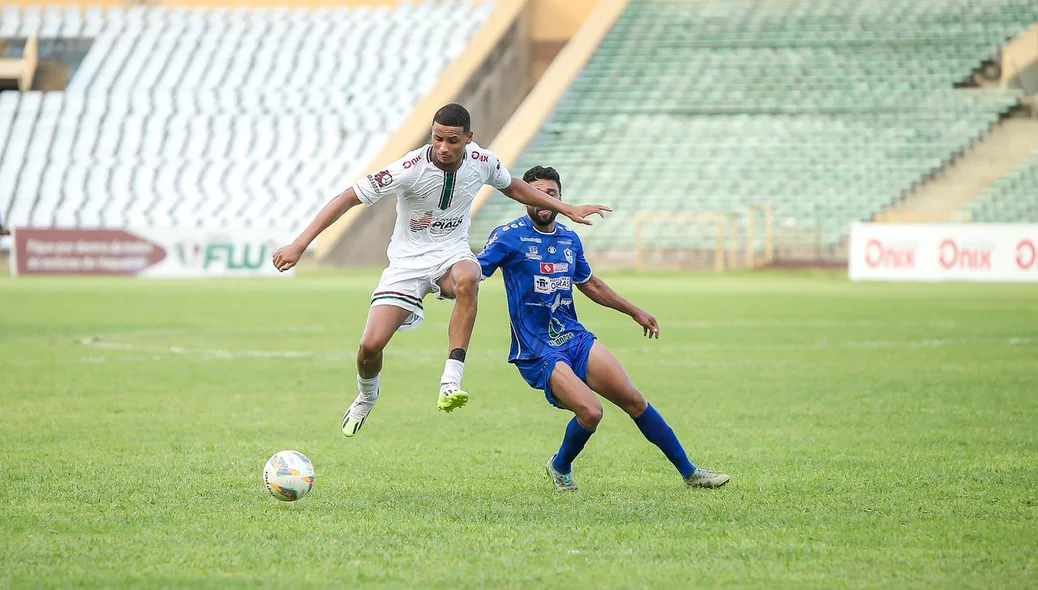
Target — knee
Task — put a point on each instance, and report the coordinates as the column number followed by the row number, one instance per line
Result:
column 635, row 404
column 589, row 416
column 370, row 348
column 466, row 288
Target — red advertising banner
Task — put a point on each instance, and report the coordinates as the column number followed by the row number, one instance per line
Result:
column 82, row 252
column 148, row 252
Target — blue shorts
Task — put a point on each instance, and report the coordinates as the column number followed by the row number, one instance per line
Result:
column 537, row 372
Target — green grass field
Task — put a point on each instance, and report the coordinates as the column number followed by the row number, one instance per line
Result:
column 877, row 435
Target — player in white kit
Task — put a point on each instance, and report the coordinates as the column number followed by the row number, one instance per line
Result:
column 429, row 253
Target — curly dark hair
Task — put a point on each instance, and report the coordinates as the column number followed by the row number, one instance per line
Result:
column 543, row 173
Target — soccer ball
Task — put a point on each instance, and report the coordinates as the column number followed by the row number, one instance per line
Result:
column 289, row 475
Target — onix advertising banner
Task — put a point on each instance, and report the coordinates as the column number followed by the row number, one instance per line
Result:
column 147, row 253
column 967, row 252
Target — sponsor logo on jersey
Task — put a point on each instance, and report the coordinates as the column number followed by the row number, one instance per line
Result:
column 552, row 250
column 437, row 227
column 557, row 333
column 422, row 222
column 411, row 163
column 478, row 157
column 526, row 239
column 442, row 227
column 548, row 268
column 384, row 178
column 532, row 254
column 549, row 285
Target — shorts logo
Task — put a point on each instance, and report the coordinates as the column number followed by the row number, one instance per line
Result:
column 549, row 285
column 548, row 268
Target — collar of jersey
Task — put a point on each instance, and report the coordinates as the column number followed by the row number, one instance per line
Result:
column 429, row 159
column 553, row 232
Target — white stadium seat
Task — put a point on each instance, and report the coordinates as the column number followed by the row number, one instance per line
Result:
column 196, row 117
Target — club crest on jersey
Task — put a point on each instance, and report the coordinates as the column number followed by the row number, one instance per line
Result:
column 569, row 255
column 548, row 268
column 532, row 254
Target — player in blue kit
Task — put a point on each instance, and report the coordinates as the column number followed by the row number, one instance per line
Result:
column 541, row 262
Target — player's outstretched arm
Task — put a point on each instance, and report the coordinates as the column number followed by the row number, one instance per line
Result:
column 521, row 191
column 598, row 291
column 287, row 257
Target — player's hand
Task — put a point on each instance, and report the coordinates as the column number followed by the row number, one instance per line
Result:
column 580, row 213
column 287, row 257
column 650, row 326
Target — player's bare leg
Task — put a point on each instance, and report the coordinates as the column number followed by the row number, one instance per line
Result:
column 383, row 321
column 461, row 283
column 571, row 393
column 607, row 376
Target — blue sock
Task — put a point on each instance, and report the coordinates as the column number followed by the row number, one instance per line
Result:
column 574, row 441
column 659, row 433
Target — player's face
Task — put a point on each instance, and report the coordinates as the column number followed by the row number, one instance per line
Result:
column 449, row 144
column 544, row 216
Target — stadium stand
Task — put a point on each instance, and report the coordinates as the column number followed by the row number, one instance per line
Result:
column 214, row 117
column 828, row 110
column 1013, row 198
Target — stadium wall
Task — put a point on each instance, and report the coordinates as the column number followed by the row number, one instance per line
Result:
column 552, row 24
column 19, row 73
column 1020, row 62
column 490, row 78
column 528, row 119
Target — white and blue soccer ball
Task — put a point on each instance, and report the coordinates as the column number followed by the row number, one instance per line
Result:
column 289, row 475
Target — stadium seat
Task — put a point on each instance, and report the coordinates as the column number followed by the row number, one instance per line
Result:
column 209, row 117
column 828, row 110
column 1013, row 198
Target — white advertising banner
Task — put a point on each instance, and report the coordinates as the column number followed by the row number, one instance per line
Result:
column 966, row 252
column 148, row 253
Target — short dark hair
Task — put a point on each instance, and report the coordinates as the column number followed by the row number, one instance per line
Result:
column 453, row 115
column 543, row 173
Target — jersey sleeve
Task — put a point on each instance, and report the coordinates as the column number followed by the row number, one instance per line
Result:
column 392, row 180
column 581, row 268
column 495, row 254
column 499, row 177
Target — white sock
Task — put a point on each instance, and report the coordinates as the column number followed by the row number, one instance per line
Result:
column 453, row 372
column 367, row 387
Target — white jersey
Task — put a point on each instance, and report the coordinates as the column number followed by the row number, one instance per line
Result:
column 433, row 206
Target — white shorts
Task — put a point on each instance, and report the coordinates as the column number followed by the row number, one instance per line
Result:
column 407, row 287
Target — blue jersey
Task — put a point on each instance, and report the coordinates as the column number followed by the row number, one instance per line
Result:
column 540, row 271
